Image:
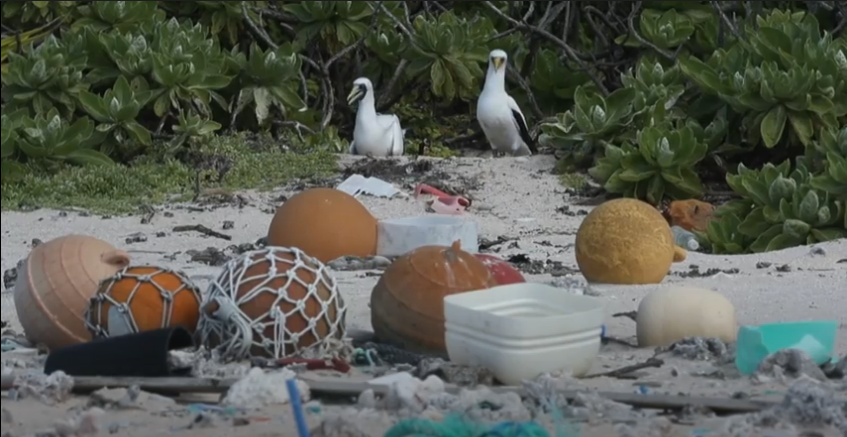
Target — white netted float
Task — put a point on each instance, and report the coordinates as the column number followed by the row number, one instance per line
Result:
column 274, row 302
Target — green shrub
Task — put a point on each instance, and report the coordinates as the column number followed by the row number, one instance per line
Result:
column 650, row 102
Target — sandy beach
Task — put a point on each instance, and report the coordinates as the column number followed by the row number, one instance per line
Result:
column 516, row 200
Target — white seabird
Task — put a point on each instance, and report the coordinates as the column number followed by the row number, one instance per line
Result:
column 374, row 134
column 498, row 114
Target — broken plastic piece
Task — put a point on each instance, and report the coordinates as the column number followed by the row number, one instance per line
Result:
column 755, row 343
column 358, row 184
column 443, row 203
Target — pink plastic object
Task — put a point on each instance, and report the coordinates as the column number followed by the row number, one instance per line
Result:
column 443, row 203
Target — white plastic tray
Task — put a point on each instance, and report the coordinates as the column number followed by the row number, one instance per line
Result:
column 519, row 331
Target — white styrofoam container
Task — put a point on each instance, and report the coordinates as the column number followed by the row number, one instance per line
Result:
column 397, row 237
column 520, row 331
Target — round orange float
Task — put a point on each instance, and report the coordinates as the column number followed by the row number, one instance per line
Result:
column 143, row 298
column 407, row 304
column 325, row 223
column 55, row 284
column 271, row 303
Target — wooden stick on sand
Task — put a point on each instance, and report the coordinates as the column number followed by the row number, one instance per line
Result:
column 352, row 388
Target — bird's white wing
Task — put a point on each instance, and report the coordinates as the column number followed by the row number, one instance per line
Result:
column 393, row 133
column 386, row 121
column 520, row 124
column 398, row 135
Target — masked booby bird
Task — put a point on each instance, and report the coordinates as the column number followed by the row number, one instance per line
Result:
column 374, row 134
column 501, row 119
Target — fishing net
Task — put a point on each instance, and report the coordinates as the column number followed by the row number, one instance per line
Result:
column 274, row 302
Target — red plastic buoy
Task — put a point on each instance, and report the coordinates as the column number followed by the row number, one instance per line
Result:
column 502, row 271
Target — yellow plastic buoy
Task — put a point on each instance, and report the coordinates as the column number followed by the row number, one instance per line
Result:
column 626, row 241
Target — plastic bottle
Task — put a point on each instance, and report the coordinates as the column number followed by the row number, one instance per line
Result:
column 684, row 238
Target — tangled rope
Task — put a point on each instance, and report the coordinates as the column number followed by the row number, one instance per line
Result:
column 456, row 426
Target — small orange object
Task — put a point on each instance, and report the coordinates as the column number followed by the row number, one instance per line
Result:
column 143, row 298
column 691, row 214
column 407, row 304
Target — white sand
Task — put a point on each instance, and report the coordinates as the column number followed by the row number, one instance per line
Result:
column 518, row 198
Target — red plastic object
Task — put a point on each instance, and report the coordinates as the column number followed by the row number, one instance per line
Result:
column 502, row 271
column 443, row 203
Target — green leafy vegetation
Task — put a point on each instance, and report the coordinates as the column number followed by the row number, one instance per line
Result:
column 110, row 105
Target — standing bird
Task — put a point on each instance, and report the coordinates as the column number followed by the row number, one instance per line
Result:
column 499, row 115
column 374, row 134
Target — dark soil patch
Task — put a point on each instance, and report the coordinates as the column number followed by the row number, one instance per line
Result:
column 538, row 267
column 695, row 272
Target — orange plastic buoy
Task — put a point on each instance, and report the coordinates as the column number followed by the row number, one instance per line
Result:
column 143, row 298
column 325, row 223
column 407, row 304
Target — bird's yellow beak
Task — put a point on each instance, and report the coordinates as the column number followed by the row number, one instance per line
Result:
column 355, row 94
column 498, row 62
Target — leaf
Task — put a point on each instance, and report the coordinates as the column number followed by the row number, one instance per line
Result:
column 755, row 224
column 784, row 241
column 803, row 126
column 796, row 228
column 773, row 125
column 161, row 105
column 213, row 82
column 618, row 104
column 289, row 97
column 807, row 211
column 702, row 74
column 140, row 135
column 763, row 241
column 89, row 157
column 656, row 190
column 93, row 105
column 781, row 188
column 438, row 77
column 823, row 235
column 122, row 91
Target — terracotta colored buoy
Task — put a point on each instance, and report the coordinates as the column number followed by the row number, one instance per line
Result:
column 407, row 304
column 626, row 241
column 325, row 223
column 143, row 298
column 271, row 303
column 55, row 285
column 502, row 271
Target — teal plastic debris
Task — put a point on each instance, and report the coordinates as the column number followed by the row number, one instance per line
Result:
column 816, row 338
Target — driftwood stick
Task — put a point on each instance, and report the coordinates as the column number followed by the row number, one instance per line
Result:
column 627, row 370
column 352, row 388
column 203, row 230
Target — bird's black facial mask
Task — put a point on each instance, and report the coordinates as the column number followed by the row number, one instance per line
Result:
column 498, row 62
column 356, row 94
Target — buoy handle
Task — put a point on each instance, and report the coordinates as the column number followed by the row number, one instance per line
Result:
column 117, row 258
